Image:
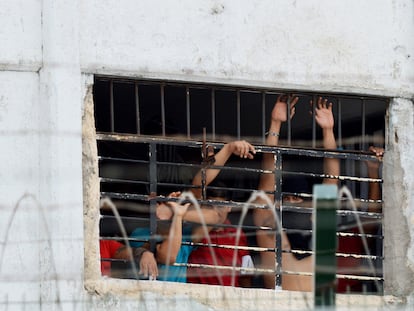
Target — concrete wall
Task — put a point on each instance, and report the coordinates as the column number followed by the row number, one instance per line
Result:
column 399, row 199
column 48, row 53
column 328, row 45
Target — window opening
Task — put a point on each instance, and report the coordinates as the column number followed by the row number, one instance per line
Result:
column 150, row 135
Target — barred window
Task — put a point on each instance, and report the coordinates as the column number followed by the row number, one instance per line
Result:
column 151, row 138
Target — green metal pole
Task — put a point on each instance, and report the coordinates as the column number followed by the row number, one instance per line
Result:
column 325, row 204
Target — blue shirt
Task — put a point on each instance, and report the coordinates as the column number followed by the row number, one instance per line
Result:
column 167, row 272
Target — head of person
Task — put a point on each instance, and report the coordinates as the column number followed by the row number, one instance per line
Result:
column 292, row 186
column 217, row 191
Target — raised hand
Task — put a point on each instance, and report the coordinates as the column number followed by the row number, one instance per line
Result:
column 279, row 112
column 373, row 166
column 323, row 114
column 379, row 152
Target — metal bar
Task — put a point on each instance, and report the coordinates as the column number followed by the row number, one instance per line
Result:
column 315, row 152
column 263, row 117
column 188, row 111
column 153, row 177
column 238, row 114
column 111, row 105
column 339, row 116
column 363, row 188
column 213, row 113
column 100, row 158
column 352, row 173
column 258, row 170
column 138, row 117
column 234, row 204
column 204, row 166
column 278, row 207
column 162, row 88
column 363, row 125
column 313, row 121
column 289, row 121
column 124, row 181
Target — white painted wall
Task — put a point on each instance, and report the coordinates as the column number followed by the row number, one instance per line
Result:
column 21, row 35
column 329, row 45
column 45, row 46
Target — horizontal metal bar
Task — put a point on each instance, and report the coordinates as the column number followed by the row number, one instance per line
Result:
column 101, row 158
column 234, row 204
column 311, row 152
column 286, row 272
column 124, row 181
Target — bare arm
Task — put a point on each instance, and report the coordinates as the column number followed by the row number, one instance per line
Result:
column 373, row 172
column 279, row 116
column 167, row 251
column 325, row 119
column 265, row 217
column 240, row 148
column 210, row 216
column 374, row 191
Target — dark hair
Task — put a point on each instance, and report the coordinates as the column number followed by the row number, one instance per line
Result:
column 219, row 190
column 295, row 184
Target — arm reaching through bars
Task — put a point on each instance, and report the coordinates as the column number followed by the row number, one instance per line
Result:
column 239, row 148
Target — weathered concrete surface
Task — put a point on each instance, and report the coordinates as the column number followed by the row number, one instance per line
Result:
column 91, row 194
column 398, row 194
column 175, row 296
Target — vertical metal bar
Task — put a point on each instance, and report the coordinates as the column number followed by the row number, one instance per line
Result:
column 314, row 102
column 325, row 205
column 363, row 187
column 238, row 114
column 188, row 112
column 363, row 125
column 339, row 114
column 111, row 105
column 162, row 86
column 137, row 109
column 213, row 113
column 153, row 179
column 263, row 117
column 205, row 163
column 289, row 123
column 352, row 173
column 278, row 201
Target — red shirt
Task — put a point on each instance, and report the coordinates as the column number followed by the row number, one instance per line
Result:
column 346, row 265
column 224, row 256
column 108, row 249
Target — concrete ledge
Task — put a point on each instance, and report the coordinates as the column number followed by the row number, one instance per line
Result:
column 227, row 298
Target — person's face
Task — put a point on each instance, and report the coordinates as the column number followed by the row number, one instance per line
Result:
column 296, row 201
column 292, row 199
